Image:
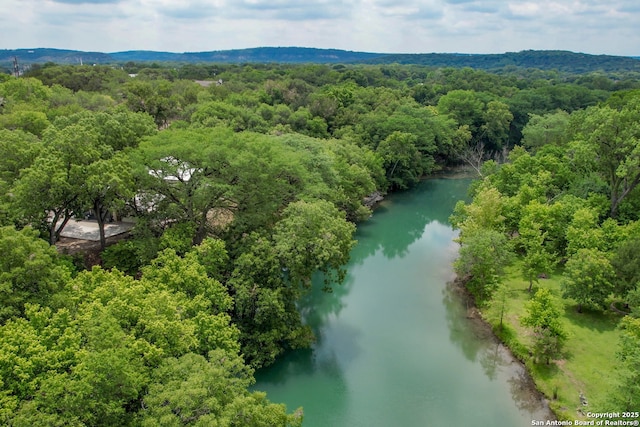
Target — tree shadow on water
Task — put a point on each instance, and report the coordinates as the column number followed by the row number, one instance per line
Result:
column 458, row 309
column 525, row 395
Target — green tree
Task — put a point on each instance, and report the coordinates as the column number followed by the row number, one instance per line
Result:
column 152, row 97
column 402, row 160
column 626, row 264
column 198, row 391
column 483, row 256
column 25, row 119
column 536, row 260
column 584, row 231
column 58, row 176
column 465, row 106
column 313, row 236
column 499, row 302
column 30, row 271
column 18, row 150
column 109, row 184
column 613, row 137
column 588, row 278
column 543, row 315
column 486, row 212
column 627, row 397
column 265, row 304
column 545, row 129
column 497, row 119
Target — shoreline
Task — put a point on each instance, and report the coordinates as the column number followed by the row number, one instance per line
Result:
column 530, row 395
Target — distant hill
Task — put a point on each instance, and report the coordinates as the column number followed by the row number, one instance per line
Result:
column 541, row 59
column 546, row 60
column 258, row 55
column 59, row 56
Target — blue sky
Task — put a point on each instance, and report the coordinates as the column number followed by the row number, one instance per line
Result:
column 402, row 26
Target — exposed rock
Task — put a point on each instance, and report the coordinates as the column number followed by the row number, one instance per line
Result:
column 372, row 199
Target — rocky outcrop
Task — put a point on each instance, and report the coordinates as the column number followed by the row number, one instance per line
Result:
column 372, row 199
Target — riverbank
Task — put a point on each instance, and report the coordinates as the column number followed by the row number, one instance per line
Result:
column 526, row 391
column 588, row 360
column 395, row 346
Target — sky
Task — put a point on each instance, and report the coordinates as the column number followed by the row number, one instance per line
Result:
column 382, row 26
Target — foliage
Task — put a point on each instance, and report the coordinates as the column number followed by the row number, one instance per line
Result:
column 264, row 171
column 626, row 264
column 30, row 271
column 401, row 160
column 211, row 391
column 549, row 128
column 543, row 315
column 264, row 307
column 313, row 236
column 627, row 397
column 612, row 136
column 537, row 259
column 483, row 256
column 589, row 278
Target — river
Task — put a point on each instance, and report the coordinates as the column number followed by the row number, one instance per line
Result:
column 395, row 345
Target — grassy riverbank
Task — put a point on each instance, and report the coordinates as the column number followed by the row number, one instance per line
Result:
column 588, row 361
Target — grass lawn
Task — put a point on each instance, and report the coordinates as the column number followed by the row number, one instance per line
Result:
column 588, row 363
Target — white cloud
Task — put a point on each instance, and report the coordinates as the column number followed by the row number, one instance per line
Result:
column 472, row 26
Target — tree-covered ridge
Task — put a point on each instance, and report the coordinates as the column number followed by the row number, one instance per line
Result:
column 563, row 61
column 559, row 60
column 242, row 186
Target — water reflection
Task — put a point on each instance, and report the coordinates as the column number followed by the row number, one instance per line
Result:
column 428, row 203
column 461, row 331
column 332, row 302
column 395, row 346
column 305, row 376
column 477, row 343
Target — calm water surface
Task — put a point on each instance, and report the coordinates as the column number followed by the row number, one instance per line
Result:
column 395, row 347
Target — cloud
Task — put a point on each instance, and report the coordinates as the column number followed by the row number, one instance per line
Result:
column 293, row 10
column 86, row 1
column 197, row 9
column 472, row 26
column 286, row 10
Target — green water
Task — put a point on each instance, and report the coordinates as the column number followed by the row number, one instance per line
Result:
column 395, row 346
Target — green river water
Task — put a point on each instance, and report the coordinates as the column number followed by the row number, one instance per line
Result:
column 395, row 345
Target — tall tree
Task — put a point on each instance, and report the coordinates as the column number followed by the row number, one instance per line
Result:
column 30, row 271
column 194, row 390
column 497, row 118
column 588, row 278
column 109, row 184
column 543, row 315
column 613, row 136
column 484, row 254
column 537, row 259
column 402, row 160
column 627, row 397
column 313, row 236
column 59, row 177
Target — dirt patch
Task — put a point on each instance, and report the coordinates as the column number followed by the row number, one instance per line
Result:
column 88, row 250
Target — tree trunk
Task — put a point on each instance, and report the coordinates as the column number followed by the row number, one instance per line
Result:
column 98, row 210
column 54, row 235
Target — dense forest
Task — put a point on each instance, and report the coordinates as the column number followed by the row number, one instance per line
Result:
column 245, row 181
column 564, row 61
column 565, row 204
